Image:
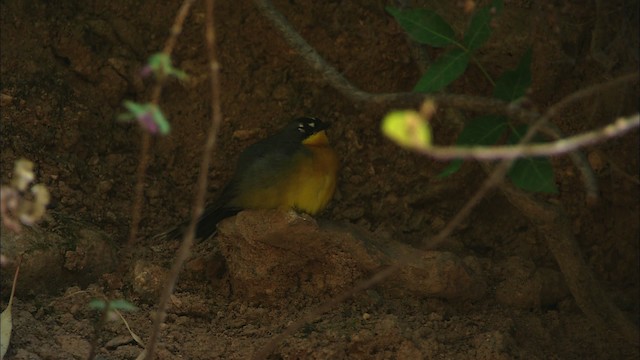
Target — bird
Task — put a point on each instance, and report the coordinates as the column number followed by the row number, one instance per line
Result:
column 294, row 169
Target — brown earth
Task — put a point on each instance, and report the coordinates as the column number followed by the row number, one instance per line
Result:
column 67, row 66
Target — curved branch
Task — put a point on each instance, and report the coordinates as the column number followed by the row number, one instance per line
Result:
column 559, row 147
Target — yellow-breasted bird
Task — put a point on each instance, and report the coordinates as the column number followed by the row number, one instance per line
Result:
column 295, row 168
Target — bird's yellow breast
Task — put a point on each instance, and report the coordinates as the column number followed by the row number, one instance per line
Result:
column 307, row 185
column 312, row 185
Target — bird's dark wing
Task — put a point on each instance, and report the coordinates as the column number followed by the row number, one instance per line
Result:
column 208, row 222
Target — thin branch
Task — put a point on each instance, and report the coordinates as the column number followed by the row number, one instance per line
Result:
column 465, row 102
column 156, row 93
column 581, row 163
column 198, row 204
column 562, row 146
column 333, row 77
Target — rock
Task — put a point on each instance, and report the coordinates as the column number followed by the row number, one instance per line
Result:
column 22, row 354
column 74, row 345
column 119, row 341
column 148, row 279
column 271, row 254
column 526, row 286
column 597, row 160
column 57, row 255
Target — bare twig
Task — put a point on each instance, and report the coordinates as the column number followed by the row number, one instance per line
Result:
column 156, row 93
column 198, row 202
column 332, row 76
column 581, row 163
column 562, row 146
column 138, row 197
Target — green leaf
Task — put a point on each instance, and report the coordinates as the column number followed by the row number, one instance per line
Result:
column 160, row 64
column 135, row 108
column 512, row 85
column 534, row 175
column 479, row 30
column 97, row 304
column 451, row 169
column 118, row 304
column 160, row 120
column 121, row 304
column 407, row 128
column 531, row 174
column 424, row 26
column 443, row 71
column 483, row 130
column 148, row 115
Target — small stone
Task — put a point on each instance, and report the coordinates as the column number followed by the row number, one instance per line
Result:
column 596, row 160
column 281, row 92
column 148, row 279
column 196, row 265
column 244, row 135
column 434, row 316
column 5, row 99
column 237, row 323
column 526, row 286
column 104, row 186
column 118, row 341
column 437, row 223
column 353, row 213
column 356, row 179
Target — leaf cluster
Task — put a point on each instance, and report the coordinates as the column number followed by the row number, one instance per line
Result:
column 428, row 28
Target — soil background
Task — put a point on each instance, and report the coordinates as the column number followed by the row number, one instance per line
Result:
column 67, row 66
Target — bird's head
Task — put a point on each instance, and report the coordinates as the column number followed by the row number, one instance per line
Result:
column 311, row 131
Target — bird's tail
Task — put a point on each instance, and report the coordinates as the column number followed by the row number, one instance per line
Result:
column 207, row 224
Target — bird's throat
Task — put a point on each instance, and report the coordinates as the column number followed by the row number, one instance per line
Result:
column 317, row 139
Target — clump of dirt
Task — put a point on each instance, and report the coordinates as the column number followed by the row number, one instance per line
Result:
column 67, row 67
